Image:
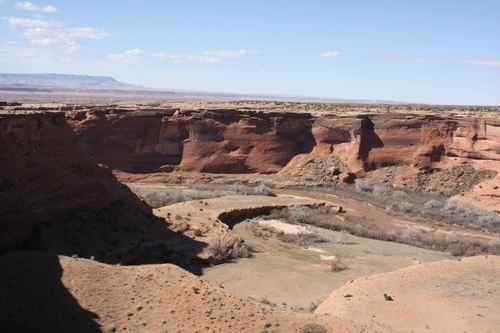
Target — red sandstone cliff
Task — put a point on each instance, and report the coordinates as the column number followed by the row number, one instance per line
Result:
column 225, row 142
column 229, row 141
column 56, row 199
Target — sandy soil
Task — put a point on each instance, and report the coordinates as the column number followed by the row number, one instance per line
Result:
column 287, row 228
column 295, row 275
column 448, row 296
column 43, row 293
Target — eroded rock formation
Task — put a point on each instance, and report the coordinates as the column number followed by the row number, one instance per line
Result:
column 217, row 142
column 231, row 141
column 55, row 199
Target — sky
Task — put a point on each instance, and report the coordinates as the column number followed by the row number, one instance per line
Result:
column 429, row 51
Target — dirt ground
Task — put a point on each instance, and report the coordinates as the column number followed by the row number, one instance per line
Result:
column 446, row 296
column 45, row 293
column 294, row 277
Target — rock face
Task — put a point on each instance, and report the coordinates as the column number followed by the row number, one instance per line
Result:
column 217, row 142
column 231, row 141
column 57, row 200
column 375, row 141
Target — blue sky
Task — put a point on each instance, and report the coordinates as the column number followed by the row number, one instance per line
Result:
column 442, row 51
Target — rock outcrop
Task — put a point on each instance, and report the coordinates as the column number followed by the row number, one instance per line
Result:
column 216, row 142
column 232, row 141
column 55, row 199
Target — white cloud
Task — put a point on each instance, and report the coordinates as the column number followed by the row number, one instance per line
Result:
column 128, row 56
column 489, row 62
column 31, row 7
column 87, row 32
column 206, row 57
column 41, row 33
column 331, row 54
column 24, row 23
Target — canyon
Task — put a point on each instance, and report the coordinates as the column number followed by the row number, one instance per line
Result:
column 107, row 204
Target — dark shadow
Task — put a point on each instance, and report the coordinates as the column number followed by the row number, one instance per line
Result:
column 56, row 200
column 119, row 234
column 233, row 217
column 33, row 298
column 368, row 139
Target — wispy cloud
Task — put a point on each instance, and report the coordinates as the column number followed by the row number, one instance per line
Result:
column 25, row 23
column 331, row 54
column 31, row 7
column 488, row 62
column 206, row 57
column 42, row 33
column 128, row 56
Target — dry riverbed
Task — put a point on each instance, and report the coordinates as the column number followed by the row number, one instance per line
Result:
column 299, row 276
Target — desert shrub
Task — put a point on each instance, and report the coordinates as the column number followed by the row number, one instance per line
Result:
column 442, row 210
column 399, row 195
column 263, row 190
column 317, row 215
column 362, row 186
column 489, row 219
column 380, row 190
column 440, row 240
column 297, row 214
column 162, row 196
column 450, row 207
column 221, row 249
column 433, row 204
column 405, row 207
column 302, row 239
column 314, row 328
column 225, row 248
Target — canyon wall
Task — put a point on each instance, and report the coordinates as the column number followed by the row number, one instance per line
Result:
column 373, row 141
column 217, row 142
column 232, row 141
column 55, row 199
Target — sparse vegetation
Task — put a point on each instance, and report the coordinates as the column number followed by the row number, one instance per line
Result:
column 325, row 217
column 226, row 248
column 156, row 196
column 301, row 239
column 431, row 206
column 314, row 328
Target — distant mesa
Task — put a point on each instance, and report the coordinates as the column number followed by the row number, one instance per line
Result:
column 61, row 81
